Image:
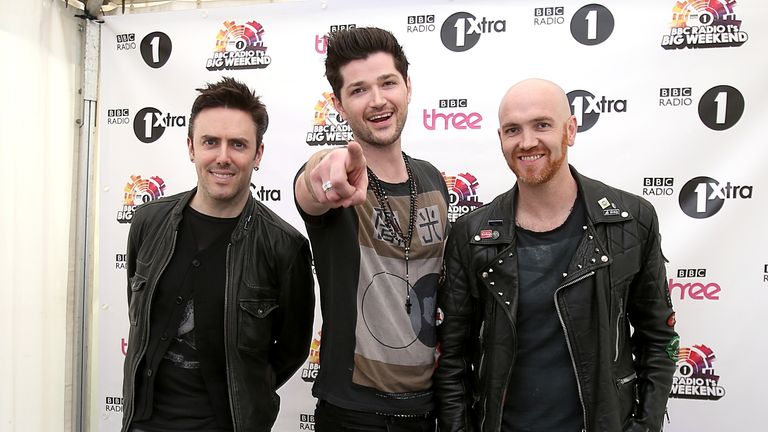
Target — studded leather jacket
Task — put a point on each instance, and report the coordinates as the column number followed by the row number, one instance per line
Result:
column 615, row 279
column 268, row 305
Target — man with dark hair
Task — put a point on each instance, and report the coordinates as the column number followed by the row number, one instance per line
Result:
column 377, row 220
column 543, row 286
column 220, row 289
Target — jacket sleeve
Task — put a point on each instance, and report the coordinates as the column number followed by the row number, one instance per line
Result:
column 654, row 341
column 292, row 328
column 132, row 251
column 452, row 381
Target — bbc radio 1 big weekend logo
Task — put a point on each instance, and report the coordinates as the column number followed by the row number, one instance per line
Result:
column 462, row 194
column 704, row 24
column 328, row 127
column 139, row 191
column 695, row 377
column 239, row 46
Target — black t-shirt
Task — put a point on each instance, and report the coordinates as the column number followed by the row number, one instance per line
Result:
column 181, row 398
column 542, row 395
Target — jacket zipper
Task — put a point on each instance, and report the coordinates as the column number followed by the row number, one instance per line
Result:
column 568, row 342
column 230, row 379
column 627, row 379
column 618, row 329
column 146, row 326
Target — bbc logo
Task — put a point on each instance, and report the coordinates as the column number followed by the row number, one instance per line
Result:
column 421, row 19
column 114, row 400
column 339, row 27
column 689, row 273
column 658, row 181
column 453, row 103
column 307, row 418
column 128, row 37
column 675, row 92
column 118, row 112
column 548, row 11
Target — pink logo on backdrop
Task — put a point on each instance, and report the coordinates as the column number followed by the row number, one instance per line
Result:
column 452, row 114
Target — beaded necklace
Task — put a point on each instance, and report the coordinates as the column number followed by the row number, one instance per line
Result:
column 391, row 223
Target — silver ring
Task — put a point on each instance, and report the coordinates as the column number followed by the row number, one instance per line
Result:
column 327, row 186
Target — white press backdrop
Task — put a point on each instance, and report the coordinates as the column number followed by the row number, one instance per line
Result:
column 675, row 119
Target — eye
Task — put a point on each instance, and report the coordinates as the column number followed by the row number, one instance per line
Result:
column 543, row 125
column 238, row 145
column 511, row 130
column 356, row 90
column 390, row 83
column 209, row 141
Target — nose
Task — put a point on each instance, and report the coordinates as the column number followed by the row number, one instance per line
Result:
column 527, row 140
column 377, row 97
column 223, row 155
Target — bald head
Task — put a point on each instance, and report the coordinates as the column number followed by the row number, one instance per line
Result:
column 539, row 94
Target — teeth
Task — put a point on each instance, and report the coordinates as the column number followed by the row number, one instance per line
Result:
column 379, row 117
column 530, row 158
column 222, row 175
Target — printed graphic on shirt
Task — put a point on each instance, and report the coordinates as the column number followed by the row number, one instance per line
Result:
column 183, row 351
column 394, row 350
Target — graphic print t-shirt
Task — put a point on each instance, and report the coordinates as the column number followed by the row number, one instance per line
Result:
column 374, row 355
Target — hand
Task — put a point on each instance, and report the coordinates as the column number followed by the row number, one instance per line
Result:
column 346, row 170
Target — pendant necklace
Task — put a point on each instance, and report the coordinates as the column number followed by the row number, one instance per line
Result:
column 391, row 223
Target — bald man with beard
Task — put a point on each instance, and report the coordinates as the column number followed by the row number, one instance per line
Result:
column 556, row 310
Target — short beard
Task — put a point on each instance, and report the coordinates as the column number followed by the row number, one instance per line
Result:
column 550, row 170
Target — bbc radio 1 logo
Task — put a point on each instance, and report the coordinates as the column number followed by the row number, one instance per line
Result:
column 149, row 124
column 452, row 114
column 118, row 116
column 120, row 260
column 704, row 24
column 702, row 197
column 139, row 191
column 546, row 16
column 695, row 376
column 675, row 96
column 462, row 194
column 239, row 46
column 420, row 23
column 306, row 421
column 113, row 404
column 462, row 30
column 658, row 186
column 309, row 373
column 592, row 24
column 721, row 107
column 587, row 107
column 126, row 41
column 328, row 127
column 693, row 284
column 156, row 49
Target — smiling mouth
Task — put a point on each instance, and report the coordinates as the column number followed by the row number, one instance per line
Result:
column 222, row 175
column 531, row 158
column 378, row 118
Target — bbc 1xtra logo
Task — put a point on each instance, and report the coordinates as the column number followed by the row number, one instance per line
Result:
column 452, row 114
column 658, row 186
column 702, row 24
column 149, row 123
column 587, row 107
column 702, row 197
column 328, row 127
column 693, row 284
column 239, row 46
column 462, row 30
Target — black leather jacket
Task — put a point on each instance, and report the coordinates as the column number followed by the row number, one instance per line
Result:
column 615, row 279
column 269, row 303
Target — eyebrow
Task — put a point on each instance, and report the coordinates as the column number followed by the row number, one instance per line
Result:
column 378, row 78
column 534, row 120
column 214, row 137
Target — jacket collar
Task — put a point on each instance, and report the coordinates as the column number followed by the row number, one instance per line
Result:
column 243, row 224
column 601, row 202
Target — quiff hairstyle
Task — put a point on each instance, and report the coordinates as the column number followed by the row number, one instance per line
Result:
column 345, row 46
column 233, row 94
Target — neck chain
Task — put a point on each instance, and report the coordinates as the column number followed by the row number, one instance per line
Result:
column 391, row 223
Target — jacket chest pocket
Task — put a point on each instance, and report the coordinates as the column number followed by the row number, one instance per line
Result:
column 138, row 292
column 254, row 327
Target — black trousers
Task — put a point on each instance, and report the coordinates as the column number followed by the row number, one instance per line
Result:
column 331, row 418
